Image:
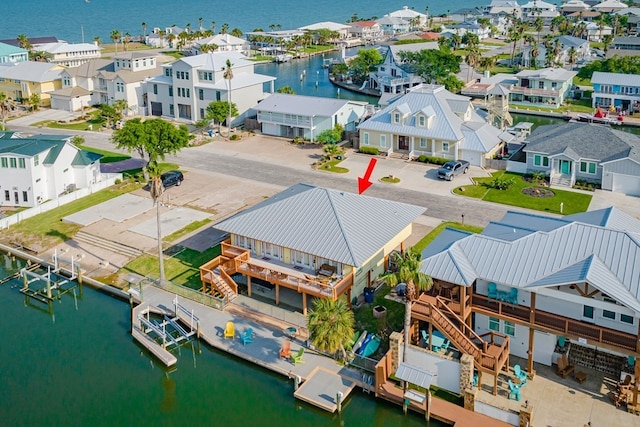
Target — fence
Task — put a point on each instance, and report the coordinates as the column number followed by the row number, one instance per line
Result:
column 188, row 293
column 108, row 180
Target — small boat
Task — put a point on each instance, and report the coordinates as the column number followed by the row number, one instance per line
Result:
column 354, row 340
column 372, row 346
column 358, row 343
column 365, row 343
column 600, row 117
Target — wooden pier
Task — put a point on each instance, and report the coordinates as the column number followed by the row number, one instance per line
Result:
column 325, row 389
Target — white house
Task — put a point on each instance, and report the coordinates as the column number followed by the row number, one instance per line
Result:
column 40, row 167
column 392, row 25
column 572, row 6
column 609, row 6
column 539, row 9
column 392, row 76
column 341, row 29
column 10, row 53
column 504, row 7
column 368, row 31
column 70, row 54
column 595, row 33
column 430, row 120
column 186, row 87
column 547, row 87
column 306, row 116
column 222, row 43
column 472, row 27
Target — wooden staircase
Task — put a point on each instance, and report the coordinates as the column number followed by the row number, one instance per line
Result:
column 216, row 277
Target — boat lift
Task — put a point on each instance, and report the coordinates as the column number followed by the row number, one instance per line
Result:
column 55, row 286
column 169, row 329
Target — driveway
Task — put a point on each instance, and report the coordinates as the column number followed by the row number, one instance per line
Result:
column 42, row 115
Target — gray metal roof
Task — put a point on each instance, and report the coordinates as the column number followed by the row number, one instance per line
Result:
column 479, row 136
column 301, row 105
column 31, row 71
column 606, row 258
column 323, row 222
column 610, row 217
column 414, row 375
column 600, row 77
column 551, row 74
column 585, row 141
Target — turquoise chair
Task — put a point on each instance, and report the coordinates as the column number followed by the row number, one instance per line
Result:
column 561, row 342
column 493, row 291
column 514, row 391
column 520, row 374
column 631, row 361
column 247, row 336
column 513, row 296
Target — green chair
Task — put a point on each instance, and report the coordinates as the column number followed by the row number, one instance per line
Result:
column 561, row 341
column 297, row 357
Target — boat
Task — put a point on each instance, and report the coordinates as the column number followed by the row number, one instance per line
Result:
column 354, row 340
column 358, row 343
column 601, row 117
column 365, row 343
column 372, row 346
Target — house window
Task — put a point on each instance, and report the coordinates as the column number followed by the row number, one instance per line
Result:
column 36, row 160
column 217, row 95
column 167, row 72
column 539, row 160
column 365, row 138
column 25, row 196
column 202, row 113
column 540, row 85
column 421, row 121
column 383, row 141
column 626, row 319
column 588, row 167
column 396, row 117
column 509, row 328
column 5, row 162
column 494, row 324
column 170, row 90
column 201, row 94
column 554, row 85
column 609, row 314
column 423, row 142
column 21, row 163
column 186, row 75
column 445, row 147
column 587, row 311
column 155, row 89
column 66, row 81
column 7, row 196
column 171, row 110
column 12, row 162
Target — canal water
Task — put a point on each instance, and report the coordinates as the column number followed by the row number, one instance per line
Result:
column 82, row 368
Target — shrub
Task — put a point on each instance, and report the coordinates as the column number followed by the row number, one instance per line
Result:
column 298, row 140
column 538, row 176
column 501, row 183
column 369, row 150
column 432, row 159
column 118, row 181
column 235, row 137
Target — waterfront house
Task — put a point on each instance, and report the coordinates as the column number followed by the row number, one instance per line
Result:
column 306, row 117
column 624, row 46
column 367, row 31
column 539, row 9
column 70, row 54
column 187, row 86
column 595, row 33
column 551, row 285
column 586, row 152
column 10, row 53
column 609, row 6
column 620, row 90
column 309, row 240
column 37, row 168
column 414, row 18
column 341, row 30
column 222, row 43
column 572, row 6
column 392, row 26
column 101, row 81
column 580, row 46
column 504, row 8
column 472, row 27
column 20, row 80
column 393, row 76
column 547, row 87
column 430, row 120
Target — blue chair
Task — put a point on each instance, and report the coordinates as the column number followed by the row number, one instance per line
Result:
column 561, row 342
column 425, row 337
column 631, row 360
column 247, row 336
column 493, row 291
column 475, row 380
column 446, row 345
column 520, row 374
column 514, row 391
column 513, row 296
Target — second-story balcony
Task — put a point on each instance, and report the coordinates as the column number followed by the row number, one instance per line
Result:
column 534, row 92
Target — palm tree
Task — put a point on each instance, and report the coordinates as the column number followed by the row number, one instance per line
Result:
column 539, row 26
column 23, row 41
column 200, row 21
column 97, row 40
column 573, row 57
column 331, row 325
column 228, row 75
column 224, row 29
column 126, row 40
column 408, row 271
column 115, row 38
column 156, row 191
column 144, row 30
column 213, row 26
column 472, row 59
column 533, row 53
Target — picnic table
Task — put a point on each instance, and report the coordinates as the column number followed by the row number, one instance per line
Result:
column 437, row 340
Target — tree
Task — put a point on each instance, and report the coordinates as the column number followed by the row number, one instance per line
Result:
column 228, row 76
column 23, row 41
column 331, row 136
column 236, row 32
column 606, row 42
column 573, row 57
column 34, row 101
column 408, row 272
column 144, row 30
column 210, row 47
column 331, row 325
column 115, row 38
column 224, row 29
column 218, row 111
column 97, row 41
column 126, row 40
column 120, row 105
column 434, row 66
column 108, row 113
column 4, row 108
column 364, row 62
column 472, row 59
column 200, row 21
column 286, row 89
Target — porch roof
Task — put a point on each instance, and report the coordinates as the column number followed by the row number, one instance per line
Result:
column 414, row 375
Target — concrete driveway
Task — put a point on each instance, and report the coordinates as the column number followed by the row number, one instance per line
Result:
column 42, row 115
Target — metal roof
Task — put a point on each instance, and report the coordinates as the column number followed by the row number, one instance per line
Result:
column 414, row 375
column 552, row 74
column 610, row 217
column 607, row 258
column 301, row 105
column 7, row 49
column 31, row 71
column 323, row 222
column 600, row 77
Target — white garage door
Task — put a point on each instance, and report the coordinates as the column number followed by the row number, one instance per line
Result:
column 473, row 157
column 626, row 184
column 271, row 129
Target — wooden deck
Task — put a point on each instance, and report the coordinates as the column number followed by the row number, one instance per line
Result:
column 321, row 388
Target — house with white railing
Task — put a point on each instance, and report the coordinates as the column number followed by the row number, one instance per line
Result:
column 429, row 120
column 393, row 76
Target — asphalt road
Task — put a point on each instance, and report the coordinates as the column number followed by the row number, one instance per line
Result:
column 448, row 208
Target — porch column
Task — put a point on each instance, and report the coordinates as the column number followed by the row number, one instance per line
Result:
column 402, row 247
column 463, row 303
column 469, row 317
column 304, row 303
column 411, row 144
column 248, row 285
column 277, row 294
column 530, row 351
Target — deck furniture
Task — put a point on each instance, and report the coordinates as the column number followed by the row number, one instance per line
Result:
column 291, row 332
column 514, row 391
column 425, row 337
column 285, row 351
column 580, row 376
column 561, row 341
column 247, row 336
column 297, row 357
column 520, row 374
column 512, row 298
column 493, row 291
column 437, row 341
column 564, row 367
column 229, row 330
column 326, row 270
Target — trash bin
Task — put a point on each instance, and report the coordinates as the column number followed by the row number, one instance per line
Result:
column 368, row 295
column 210, row 132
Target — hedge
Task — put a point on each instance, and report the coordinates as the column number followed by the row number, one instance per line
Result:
column 434, row 160
column 369, row 150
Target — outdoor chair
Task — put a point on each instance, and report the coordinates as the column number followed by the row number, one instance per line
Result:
column 561, row 341
column 229, row 331
column 564, row 367
column 247, row 336
column 297, row 357
column 475, row 380
column 512, row 298
column 514, row 391
column 285, row 351
column 425, row 337
column 520, row 375
column 445, row 346
column 493, row 291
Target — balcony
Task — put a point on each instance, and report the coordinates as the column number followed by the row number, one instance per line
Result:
column 534, row 92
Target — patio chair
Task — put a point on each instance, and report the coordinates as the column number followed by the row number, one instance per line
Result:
column 475, row 379
column 229, row 330
column 520, row 375
column 561, row 341
column 445, row 346
column 247, row 336
column 514, row 391
column 493, row 291
column 425, row 337
column 285, row 351
column 297, row 357
column 512, row 298
column 564, row 367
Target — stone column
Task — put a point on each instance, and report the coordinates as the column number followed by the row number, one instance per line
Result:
column 466, row 371
column 526, row 415
column 396, row 341
column 469, row 394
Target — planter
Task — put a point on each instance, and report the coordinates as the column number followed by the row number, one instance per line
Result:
column 379, row 311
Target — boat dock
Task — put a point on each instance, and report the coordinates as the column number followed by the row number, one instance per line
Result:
column 324, row 389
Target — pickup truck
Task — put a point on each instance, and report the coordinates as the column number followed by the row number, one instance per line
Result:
column 451, row 169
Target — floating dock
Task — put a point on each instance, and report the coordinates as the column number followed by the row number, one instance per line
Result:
column 322, row 388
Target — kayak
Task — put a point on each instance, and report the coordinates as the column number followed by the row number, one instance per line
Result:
column 365, row 343
column 358, row 343
column 372, row 346
column 354, row 340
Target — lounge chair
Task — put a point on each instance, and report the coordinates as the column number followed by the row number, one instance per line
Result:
column 514, row 391
column 229, row 331
column 564, row 367
column 493, row 291
column 520, row 375
column 297, row 357
column 247, row 336
column 512, row 298
column 285, row 351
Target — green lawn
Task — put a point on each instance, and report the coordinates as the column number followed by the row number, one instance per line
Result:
column 573, row 202
column 384, row 326
column 108, row 156
column 186, row 230
column 426, row 240
column 181, row 268
column 332, row 166
column 94, row 123
column 581, row 82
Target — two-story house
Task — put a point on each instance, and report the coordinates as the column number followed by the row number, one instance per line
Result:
column 309, row 242
column 586, row 152
column 609, row 6
column 471, row 27
column 392, row 26
column 430, row 120
column 548, row 87
column 393, row 76
column 306, row 116
column 187, row 86
column 341, row 30
column 70, row 54
column 504, row 8
column 539, row 9
column 566, row 44
column 222, row 43
column 40, row 167
column 416, row 19
column 572, row 6
column 624, row 46
column 20, row 80
column 622, row 91
column 10, row 53
column 367, row 31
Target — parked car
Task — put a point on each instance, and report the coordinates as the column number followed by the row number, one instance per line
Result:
column 451, row 169
column 171, row 178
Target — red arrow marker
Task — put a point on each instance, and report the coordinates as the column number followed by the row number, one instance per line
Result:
column 364, row 183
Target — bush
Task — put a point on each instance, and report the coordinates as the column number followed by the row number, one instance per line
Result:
column 501, row 183
column 235, row 137
column 369, row 150
column 298, row 140
column 432, row 159
column 538, row 176
column 118, row 181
